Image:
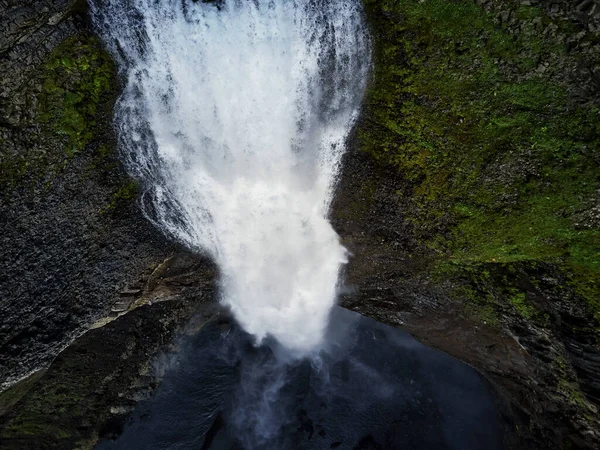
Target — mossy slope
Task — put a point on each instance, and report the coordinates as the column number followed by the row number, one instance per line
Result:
column 501, row 155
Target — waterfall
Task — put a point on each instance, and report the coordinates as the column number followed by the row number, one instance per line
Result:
column 234, row 115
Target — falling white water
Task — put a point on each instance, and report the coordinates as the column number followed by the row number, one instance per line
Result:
column 234, row 115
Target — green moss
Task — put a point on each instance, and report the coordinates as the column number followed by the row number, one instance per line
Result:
column 471, row 292
column 12, row 169
column 491, row 291
column 78, row 91
column 23, row 428
column 47, row 411
column 525, row 12
column 489, row 144
column 572, row 391
column 124, row 195
column 127, row 192
column 478, row 308
column 519, row 301
column 569, row 386
column 77, row 77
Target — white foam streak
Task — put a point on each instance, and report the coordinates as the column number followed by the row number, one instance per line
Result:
column 236, row 117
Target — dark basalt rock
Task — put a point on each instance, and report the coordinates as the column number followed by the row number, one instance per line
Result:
column 70, row 240
column 91, row 387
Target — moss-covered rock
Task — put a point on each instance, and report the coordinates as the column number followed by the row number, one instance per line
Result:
column 78, row 79
column 481, row 118
column 70, row 236
column 74, row 91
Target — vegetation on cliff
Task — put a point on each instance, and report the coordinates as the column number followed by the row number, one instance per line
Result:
column 73, row 92
column 488, row 112
column 499, row 149
column 78, row 77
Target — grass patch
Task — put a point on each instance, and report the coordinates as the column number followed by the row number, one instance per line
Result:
column 13, row 394
column 519, row 301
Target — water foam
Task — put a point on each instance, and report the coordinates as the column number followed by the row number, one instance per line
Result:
column 235, row 114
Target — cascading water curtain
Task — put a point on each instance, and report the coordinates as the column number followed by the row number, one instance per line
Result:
column 235, row 115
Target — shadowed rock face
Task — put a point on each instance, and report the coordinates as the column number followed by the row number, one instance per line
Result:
column 70, row 236
column 92, row 385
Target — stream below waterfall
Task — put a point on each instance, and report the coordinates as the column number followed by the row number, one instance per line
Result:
column 374, row 388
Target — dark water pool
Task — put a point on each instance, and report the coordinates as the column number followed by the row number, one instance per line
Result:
column 375, row 388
